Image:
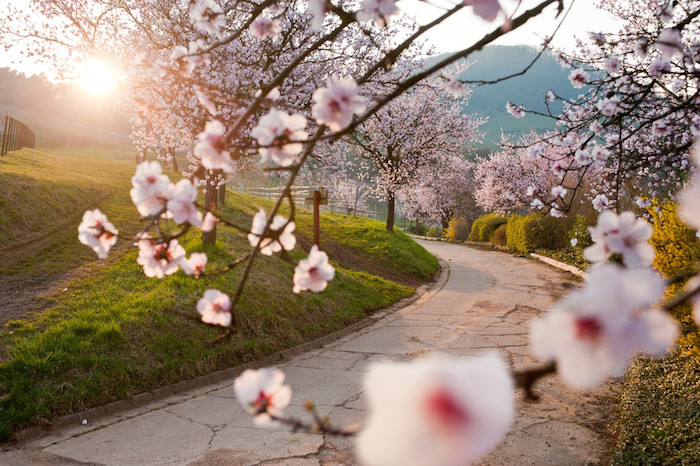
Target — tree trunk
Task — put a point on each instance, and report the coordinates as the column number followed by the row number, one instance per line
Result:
column 171, row 151
column 390, row 211
column 445, row 223
column 221, row 194
column 210, row 198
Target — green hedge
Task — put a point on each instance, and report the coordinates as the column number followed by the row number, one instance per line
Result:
column 525, row 233
column 484, row 226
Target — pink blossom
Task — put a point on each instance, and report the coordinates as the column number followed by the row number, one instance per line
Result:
column 641, row 47
column 515, row 110
column 583, row 157
column 609, row 106
column 642, row 203
column 620, row 234
column 314, row 272
column 593, row 332
column 159, row 260
column 530, row 191
column 550, row 96
column 658, row 66
column 280, row 226
column 195, row 264
column 336, row 103
column 579, row 78
column 438, row 411
column 215, row 308
column 613, row 65
column 208, row 16
column 574, row 242
column 263, row 394
column 377, row 10
column 181, row 203
column 600, row 154
column 277, row 129
column 486, row 9
column 271, row 96
column 595, row 127
column 150, row 188
column 210, row 147
column 206, row 103
column 456, row 88
column 558, row 191
column 318, row 9
column 661, row 128
column 209, row 222
column 601, row 202
column 264, row 27
column 97, row 232
column 536, row 204
column 555, row 212
column 669, row 43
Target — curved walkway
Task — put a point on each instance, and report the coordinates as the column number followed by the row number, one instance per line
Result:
column 484, row 306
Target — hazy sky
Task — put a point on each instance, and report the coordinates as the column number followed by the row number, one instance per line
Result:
column 464, row 28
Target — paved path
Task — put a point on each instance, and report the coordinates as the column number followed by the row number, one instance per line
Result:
column 483, row 306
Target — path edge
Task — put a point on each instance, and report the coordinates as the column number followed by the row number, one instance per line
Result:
column 115, row 408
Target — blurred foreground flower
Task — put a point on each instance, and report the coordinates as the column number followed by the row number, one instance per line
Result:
column 262, row 394
column 593, row 332
column 436, row 411
column 96, row 232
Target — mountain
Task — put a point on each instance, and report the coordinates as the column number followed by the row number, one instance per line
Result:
column 489, row 100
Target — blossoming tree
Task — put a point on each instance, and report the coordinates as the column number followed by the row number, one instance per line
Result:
column 458, row 409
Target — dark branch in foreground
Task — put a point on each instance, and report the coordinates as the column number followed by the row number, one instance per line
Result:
column 527, row 378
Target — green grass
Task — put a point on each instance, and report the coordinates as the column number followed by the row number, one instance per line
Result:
column 569, row 255
column 115, row 333
column 659, row 413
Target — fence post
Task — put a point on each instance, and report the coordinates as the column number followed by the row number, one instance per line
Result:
column 4, row 136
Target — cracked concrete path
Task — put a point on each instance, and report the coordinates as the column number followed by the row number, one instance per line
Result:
column 484, row 306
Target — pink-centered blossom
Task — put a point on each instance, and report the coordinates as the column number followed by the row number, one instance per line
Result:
column 279, row 227
column 263, row 394
column 97, row 232
column 211, row 147
column 593, row 332
column 215, row 308
column 622, row 234
column 195, row 264
column 550, row 96
column 314, row 272
column 150, row 188
column 263, row 27
column 613, row 65
column 456, row 88
column 518, row 111
column 486, row 9
column 558, row 191
column 378, row 11
column 601, row 202
column 159, row 260
column 280, row 132
column 609, row 106
column 583, row 157
column 669, row 43
column 600, row 154
column 659, row 66
column 181, row 203
column 579, row 78
column 208, row 16
column 438, row 411
column 336, row 103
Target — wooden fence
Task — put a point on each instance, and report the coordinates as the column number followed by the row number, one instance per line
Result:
column 16, row 135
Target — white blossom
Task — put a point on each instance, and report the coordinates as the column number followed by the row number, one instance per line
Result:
column 336, row 103
column 195, row 264
column 593, row 332
column 456, row 88
column 207, row 16
column 669, row 43
column 263, row 27
column 622, row 234
column 377, row 10
column 601, row 202
column 97, row 232
column 515, row 110
column 181, row 203
column 280, row 226
column 438, row 411
column 579, row 78
column 280, row 132
column 159, row 260
column 150, row 188
column 210, row 147
column 486, row 9
column 263, row 394
column 314, row 272
column 215, row 308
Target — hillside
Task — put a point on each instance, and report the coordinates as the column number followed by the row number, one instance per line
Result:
column 94, row 331
column 496, row 61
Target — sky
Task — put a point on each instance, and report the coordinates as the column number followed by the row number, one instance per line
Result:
column 465, row 28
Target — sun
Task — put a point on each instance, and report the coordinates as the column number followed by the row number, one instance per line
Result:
column 96, row 77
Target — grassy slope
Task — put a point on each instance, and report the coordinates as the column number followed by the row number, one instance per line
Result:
column 115, row 333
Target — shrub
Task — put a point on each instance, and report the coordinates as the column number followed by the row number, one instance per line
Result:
column 677, row 249
column 457, row 229
column 435, row 232
column 579, row 231
column 525, row 233
column 484, row 226
column 499, row 236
